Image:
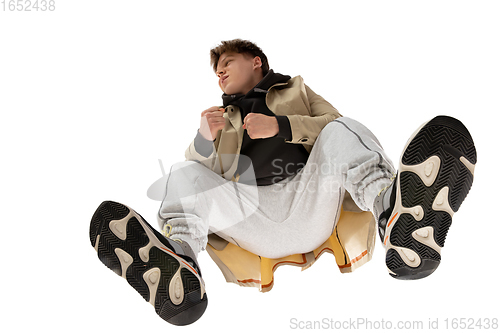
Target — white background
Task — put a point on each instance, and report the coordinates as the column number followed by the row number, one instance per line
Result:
column 93, row 94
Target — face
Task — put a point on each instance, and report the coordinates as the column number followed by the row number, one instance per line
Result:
column 238, row 73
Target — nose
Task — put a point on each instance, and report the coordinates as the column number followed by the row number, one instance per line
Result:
column 221, row 70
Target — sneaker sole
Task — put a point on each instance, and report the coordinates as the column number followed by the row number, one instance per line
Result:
column 436, row 171
column 130, row 247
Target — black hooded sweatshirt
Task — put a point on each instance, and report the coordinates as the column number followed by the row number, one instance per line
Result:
column 272, row 158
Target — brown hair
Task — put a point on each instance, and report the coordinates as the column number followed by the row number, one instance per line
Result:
column 238, row 46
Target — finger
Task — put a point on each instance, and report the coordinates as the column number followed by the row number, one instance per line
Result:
column 217, row 119
column 213, row 108
column 216, row 122
column 215, row 114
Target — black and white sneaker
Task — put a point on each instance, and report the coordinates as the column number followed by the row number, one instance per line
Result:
column 435, row 175
column 162, row 270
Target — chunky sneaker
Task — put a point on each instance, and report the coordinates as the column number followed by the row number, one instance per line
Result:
column 435, row 175
column 163, row 271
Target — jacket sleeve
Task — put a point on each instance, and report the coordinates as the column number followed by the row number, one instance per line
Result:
column 192, row 154
column 203, row 146
column 306, row 128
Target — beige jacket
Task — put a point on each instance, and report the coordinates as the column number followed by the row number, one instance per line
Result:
column 307, row 112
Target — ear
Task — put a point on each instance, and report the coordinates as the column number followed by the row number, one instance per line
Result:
column 257, row 62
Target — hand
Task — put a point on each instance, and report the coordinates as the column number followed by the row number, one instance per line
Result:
column 260, row 126
column 212, row 120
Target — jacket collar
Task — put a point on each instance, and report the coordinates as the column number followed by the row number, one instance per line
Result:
column 262, row 87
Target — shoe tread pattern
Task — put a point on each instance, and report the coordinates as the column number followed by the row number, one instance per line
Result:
column 448, row 139
column 185, row 313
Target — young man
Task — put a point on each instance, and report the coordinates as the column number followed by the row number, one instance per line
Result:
column 271, row 172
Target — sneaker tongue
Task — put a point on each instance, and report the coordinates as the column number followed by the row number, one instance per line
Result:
column 387, row 197
column 385, row 202
column 392, row 191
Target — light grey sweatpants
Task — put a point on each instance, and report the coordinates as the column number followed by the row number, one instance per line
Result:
column 293, row 216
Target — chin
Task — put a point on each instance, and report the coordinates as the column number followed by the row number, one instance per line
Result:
column 229, row 91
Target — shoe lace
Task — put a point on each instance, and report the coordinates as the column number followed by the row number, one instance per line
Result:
column 385, row 188
column 167, row 232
